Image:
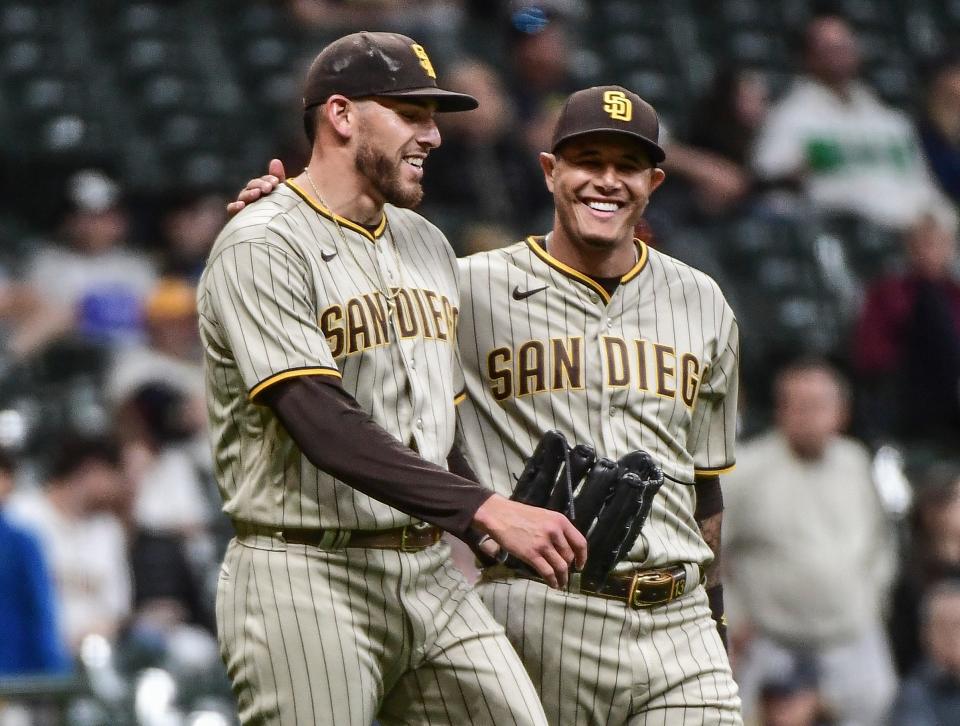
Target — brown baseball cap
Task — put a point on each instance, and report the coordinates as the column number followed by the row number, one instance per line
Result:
column 611, row 109
column 378, row 64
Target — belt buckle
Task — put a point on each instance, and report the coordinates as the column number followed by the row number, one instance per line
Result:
column 409, row 531
column 404, row 535
column 678, row 585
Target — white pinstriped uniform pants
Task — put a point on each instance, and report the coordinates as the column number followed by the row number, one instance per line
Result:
column 313, row 636
column 597, row 662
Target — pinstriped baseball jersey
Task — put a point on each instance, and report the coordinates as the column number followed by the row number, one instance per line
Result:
column 654, row 366
column 291, row 289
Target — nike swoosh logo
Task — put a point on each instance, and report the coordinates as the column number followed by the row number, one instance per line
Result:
column 519, row 294
column 327, row 256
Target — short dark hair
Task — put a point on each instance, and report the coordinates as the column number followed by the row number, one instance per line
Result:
column 160, row 408
column 75, row 450
column 310, row 122
column 807, row 363
column 799, row 38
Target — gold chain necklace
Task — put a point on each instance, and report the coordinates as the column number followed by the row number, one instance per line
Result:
column 380, row 285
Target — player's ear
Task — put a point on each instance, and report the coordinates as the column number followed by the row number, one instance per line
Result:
column 657, row 175
column 548, row 162
column 341, row 114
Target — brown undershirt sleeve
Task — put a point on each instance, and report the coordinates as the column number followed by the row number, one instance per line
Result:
column 458, row 464
column 339, row 437
column 709, row 497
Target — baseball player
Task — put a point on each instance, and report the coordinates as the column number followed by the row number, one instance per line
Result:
column 328, row 315
column 590, row 332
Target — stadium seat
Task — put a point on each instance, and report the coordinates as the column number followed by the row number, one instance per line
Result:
column 23, row 19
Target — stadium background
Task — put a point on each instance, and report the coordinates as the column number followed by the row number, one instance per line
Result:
column 174, row 102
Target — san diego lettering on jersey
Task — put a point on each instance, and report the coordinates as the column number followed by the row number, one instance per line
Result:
column 538, row 366
column 362, row 323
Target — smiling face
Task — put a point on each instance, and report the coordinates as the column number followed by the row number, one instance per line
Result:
column 395, row 137
column 601, row 183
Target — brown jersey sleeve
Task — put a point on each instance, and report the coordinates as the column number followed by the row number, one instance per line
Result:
column 339, row 437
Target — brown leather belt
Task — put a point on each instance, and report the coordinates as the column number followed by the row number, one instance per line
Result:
column 411, row 538
column 642, row 589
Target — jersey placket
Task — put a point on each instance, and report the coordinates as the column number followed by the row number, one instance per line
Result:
column 615, row 395
column 409, row 350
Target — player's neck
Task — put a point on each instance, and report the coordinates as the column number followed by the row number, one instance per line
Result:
column 335, row 184
column 593, row 261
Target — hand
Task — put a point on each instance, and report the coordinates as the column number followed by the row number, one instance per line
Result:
column 544, row 539
column 259, row 187
column 723, row 185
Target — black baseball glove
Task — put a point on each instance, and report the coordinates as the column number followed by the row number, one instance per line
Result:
column 608, row 501
column 629, row 493
column 553, row 472
column 551, row 476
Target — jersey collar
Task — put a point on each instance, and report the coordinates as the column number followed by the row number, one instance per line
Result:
column 342, row 221
column 534, row 242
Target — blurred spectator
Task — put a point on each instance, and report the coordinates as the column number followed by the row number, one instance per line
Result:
column 539, row 56
column 907, row 342
column 29, row 636
column 940, row 125
column 931, row 696
column 83, row 541
column 726, row 119
column 343, row 16
column 94, row 276
column 714, row 159
column 833, row 136
column 190, row 224
column 30, row 321
column 333, row 15
column 170, row 547
column 933, row 553
column 538, row 80
column 808, row 551
column 159, row 421
column 171, row 354
column 483, row 172
column 791, row 697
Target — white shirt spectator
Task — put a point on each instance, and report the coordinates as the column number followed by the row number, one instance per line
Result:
column 854, row 155
column 169, row 497
column 808, row 558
